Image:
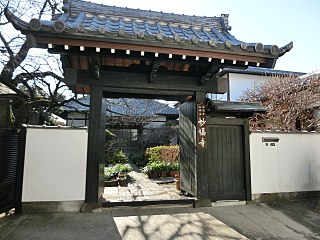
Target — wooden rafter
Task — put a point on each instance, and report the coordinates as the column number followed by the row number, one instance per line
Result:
column 154, row 49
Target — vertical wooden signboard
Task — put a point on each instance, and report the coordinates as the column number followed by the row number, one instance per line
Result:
column 201, row 126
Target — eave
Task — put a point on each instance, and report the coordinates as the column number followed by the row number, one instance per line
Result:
column 42, row 34
column 260, row 72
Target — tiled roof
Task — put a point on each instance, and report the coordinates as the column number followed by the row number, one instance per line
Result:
column 126, row 106
column 82, row 18
column 260, row 71
column 223, row 106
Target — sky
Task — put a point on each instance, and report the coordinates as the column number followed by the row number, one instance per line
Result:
column 269, row 22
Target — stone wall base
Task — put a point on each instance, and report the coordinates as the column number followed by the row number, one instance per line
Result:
column 285, row 196
column 51, row 207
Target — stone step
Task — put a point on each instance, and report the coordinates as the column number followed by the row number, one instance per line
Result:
column 150, row 203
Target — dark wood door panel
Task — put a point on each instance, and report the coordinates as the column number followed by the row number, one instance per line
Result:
column 225, row 162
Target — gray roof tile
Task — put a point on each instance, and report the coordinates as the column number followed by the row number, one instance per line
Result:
column 106, row 22
column 260, row 71
column 223, row 106
column 126, row 106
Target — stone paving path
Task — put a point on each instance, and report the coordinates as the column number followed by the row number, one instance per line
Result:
column 131, row 223
column 140, row 187
column 295, row 220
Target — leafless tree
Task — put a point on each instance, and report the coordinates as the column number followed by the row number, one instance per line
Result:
column 289, row 101
column 33, row 74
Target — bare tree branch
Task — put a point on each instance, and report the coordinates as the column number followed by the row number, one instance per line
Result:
column 14, row 62
column 35, row 78
column 289, row 102
column 6, row 44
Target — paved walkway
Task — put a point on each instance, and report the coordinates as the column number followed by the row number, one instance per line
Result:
column 295, row 220
column 140, row 187
column 131, row 224
column 287, row 220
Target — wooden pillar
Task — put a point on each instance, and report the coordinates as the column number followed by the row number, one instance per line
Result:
column 247, row 159
column 96, row 142
column 201, row 165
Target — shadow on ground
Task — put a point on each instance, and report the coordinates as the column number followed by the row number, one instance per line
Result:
column 282, row 220
column 285, row 220
column 130, row 223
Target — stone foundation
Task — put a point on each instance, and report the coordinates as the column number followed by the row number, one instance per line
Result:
column 51, row 207
column 286, row 196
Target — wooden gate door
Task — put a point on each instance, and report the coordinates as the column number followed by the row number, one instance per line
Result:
column 226, row 160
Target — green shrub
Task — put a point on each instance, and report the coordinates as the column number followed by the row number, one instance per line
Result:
column 147, row 169
column 152, row 166
column 109, row 172
column 174, row 166
column 163, row 153
column 119, row 157
column 113, row 171
column 122, row 168
column 162, row 158
column 153, row 154
column 163, row 166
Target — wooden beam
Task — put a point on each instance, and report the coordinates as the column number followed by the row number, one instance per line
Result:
column 211, row 74
column 154, row 71
column 118, row 93
column 163, row 94
column 136, row 56
column 211, row 53
column 131, row 80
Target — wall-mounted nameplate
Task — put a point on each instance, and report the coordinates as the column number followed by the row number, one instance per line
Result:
column 201, row 126
column 270, row 139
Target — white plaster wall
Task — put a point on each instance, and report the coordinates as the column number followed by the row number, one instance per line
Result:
column 55, row 164
column 292, row 165
column 74, row 119
column 239, row 83
column 77, row 123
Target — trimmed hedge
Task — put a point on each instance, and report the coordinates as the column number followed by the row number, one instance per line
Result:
column 168, row 154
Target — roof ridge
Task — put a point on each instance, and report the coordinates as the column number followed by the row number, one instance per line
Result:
column 77, row 6
column 107, row 23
